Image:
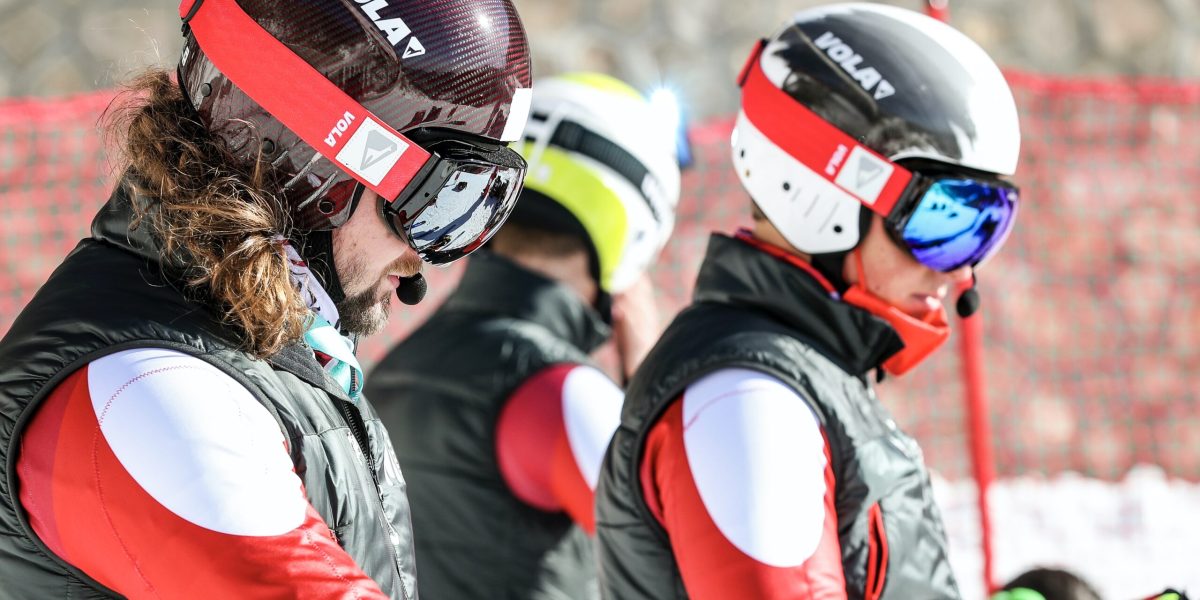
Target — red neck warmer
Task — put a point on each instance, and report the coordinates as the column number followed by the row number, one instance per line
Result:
column 921, row 337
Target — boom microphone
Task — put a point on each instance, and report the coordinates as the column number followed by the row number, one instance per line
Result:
column 968, row 301
column 412, row 289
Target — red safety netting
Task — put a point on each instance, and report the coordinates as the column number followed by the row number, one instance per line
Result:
column 53, row 176
column 1091, row 313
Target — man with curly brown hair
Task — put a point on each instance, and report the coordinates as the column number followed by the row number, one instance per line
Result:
column 180, row 407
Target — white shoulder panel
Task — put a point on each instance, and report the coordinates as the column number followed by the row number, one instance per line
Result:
column 197, row 441
column 758, row 459
column 591, row 413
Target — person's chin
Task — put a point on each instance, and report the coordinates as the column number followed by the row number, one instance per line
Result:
column 376, row 318
column 920, row 306
column 361, row 318
column 382, row 308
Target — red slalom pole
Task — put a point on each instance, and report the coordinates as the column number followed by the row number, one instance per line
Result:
column 979, row 425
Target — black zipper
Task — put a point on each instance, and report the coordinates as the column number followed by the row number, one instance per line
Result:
column 358, row 430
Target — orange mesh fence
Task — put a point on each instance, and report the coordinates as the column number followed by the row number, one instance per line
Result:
column 1091, row 313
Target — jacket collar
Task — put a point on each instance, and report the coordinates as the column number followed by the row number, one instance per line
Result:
column 736, row 273
column 114, row 225
column 495, row 285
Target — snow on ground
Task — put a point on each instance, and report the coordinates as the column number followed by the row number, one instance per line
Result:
column 1130, row 538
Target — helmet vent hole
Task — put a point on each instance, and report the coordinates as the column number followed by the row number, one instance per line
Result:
column 268, row 147
column 741, row 153
column 837, row 228
column 206, row 90
column 787, row 187
column 326, row 206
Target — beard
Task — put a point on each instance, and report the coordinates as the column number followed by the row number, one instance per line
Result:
column 364, row 313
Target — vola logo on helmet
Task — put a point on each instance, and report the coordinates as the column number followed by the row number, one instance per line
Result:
column 844, row 55
column 339, row 128
column 395, row 29
column 372, row 151
column 835, row 161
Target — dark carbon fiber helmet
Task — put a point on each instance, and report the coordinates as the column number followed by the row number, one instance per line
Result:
column 426, row 70
column 906, row 96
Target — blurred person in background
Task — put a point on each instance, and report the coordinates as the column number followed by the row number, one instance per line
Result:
column 1059, row 584
column 754, row 459
column 182, row 408
column 499, row 416
column 1048, row 584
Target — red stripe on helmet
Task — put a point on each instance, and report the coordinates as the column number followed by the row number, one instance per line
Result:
column 810, row 139
column 290, row 89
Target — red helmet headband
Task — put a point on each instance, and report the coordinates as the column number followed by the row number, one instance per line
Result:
column 873, row 179
column 327, row 119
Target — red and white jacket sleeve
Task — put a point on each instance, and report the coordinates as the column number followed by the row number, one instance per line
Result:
column 738, row 473
column 552, row 435
column 159, row 476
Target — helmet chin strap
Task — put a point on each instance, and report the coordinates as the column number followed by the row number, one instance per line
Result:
column 921, row 337
column 833, row 264
column 316, row 248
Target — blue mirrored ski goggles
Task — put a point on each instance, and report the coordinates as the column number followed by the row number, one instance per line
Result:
column 951, row 222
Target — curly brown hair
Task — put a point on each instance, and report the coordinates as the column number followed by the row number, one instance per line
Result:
column 202, row 204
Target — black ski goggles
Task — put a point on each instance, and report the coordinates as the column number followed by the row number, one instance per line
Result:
column 459, row 198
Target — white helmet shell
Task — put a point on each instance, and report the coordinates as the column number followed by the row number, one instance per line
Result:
column 602, row 151
column 905, row 85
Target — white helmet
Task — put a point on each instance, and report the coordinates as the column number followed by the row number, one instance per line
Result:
column 848, row 105
column 600, row 150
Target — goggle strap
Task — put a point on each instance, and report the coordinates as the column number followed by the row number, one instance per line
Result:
column 326, row 118
column 411, row 199
column 751, row 61
column 570, row 136
column 825, row 149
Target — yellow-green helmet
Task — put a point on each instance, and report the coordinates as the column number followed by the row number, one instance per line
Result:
column 599, row 149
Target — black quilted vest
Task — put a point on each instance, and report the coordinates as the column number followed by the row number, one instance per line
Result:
column 440, row 393
column 754, row 311
column 110, row 294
